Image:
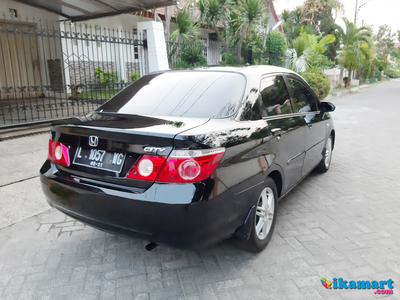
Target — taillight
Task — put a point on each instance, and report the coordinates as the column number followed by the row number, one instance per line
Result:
column 181, row 166
column 146, row 168
column 58, row 153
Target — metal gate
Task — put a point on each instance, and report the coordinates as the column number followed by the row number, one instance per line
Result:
column 51, row 69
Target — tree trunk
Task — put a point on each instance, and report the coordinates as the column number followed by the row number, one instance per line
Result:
column 267, row 26
column 239, row 50
column 342, row 66
column 265, row 37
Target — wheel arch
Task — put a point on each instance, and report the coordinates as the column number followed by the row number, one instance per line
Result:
column 333, row 138
column 277, row 178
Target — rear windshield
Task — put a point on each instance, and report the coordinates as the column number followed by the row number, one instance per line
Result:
column 194, row 94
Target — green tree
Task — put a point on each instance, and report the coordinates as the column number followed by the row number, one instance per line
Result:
column 359, row 58
column 315, row 11
column 384, row 41
column 249, row 15
column 214, row 13
column 184, row 36
column 292, row 23
column 351, row 35
column 321, row 14
column 187, row 29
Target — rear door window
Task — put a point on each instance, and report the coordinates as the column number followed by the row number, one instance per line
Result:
column 275, row 97
column 197, row 94
column 303, row 99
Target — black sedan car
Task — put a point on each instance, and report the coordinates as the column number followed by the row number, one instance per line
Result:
column 190, row 158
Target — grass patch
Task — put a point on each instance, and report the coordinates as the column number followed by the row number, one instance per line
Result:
column 105, row 93
column 339, row 90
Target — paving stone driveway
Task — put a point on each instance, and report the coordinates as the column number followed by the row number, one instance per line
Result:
column 345, row 223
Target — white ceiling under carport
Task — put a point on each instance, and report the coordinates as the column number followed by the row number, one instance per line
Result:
column 80, row 10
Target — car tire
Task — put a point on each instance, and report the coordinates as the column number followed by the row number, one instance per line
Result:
column 325, row 163
column 265, row 210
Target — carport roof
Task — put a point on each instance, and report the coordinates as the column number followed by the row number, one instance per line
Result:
column 80, row 10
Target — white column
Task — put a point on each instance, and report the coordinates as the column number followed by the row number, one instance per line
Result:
column 157, row 58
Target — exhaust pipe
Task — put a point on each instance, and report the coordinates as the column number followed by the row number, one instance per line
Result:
column 151, row 246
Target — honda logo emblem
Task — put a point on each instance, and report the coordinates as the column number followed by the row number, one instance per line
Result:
column 93, row 140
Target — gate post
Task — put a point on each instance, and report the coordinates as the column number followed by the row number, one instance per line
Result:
column 157, row 58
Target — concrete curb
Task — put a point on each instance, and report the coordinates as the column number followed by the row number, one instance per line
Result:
column 350, row 91
column 14, row 133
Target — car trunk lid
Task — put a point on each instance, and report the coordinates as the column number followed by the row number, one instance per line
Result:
column 105, row 146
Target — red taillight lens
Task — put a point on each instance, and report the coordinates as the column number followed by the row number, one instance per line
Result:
column 146, row 168
column 180, row 167
column 58, row 153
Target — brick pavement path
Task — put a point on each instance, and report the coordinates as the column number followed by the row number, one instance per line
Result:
column 345, row 223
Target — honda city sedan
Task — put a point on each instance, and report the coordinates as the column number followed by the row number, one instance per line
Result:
column 192, row 157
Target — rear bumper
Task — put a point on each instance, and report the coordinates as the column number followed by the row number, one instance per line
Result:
column 181, row 215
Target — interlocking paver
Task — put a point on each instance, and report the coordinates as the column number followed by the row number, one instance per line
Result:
column 344, row 223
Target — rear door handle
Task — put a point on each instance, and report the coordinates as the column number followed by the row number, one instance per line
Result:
column 277, row 132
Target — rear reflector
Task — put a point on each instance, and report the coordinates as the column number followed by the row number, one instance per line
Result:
column 58, row 153
column 180, row 167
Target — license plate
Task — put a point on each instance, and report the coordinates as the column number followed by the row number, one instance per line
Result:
column 99, row 159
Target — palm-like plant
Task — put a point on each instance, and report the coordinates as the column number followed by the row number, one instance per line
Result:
column 350, row 36
column 214, row 13
column 250, row 15
column 187, row 29
column 308, row 51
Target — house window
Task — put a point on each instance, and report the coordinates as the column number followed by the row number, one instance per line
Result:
column 13, row 13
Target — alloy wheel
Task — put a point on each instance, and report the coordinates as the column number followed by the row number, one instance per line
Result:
column 265, row 213
column 328, row 153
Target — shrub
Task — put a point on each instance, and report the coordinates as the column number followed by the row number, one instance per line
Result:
column 275, row 46
column 228, row 59
column 392, row 73
column 377, row 74
column 134, row 75
column 319, row 82
column 276, row 42
column 191, row 55
column 106, row 78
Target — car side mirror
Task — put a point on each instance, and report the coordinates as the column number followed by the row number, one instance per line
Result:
column 327, row 106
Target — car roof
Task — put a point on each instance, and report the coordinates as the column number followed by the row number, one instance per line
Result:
column 252, row 73
column 247, row 70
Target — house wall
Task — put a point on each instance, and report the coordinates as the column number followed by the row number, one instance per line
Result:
column 26, row 11
column 41, row 54
column 333, row 76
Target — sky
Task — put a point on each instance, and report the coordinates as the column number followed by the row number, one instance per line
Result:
column 375, row 12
